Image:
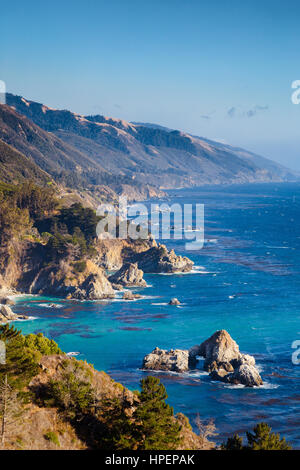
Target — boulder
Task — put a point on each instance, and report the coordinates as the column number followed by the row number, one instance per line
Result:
column 174, row 301
column 6, row 314
column 176, row 360
column 225, row 362
column 128, row 295
column 129, row 275
column 245, row 374
column 159, row 259
column 7, row 301
column 95, row 287
column 218, row 350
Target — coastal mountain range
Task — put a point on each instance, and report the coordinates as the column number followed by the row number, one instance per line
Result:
column 97, row 153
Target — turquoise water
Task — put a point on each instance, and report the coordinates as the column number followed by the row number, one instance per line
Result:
column 246, row 281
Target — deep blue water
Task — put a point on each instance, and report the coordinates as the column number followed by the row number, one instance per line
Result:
column 246, row 281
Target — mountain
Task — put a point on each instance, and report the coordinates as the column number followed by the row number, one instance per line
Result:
column 15, row 167
column 38, row 152
column 101, row 150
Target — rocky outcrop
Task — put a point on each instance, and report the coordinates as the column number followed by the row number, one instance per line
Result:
column 64, row 281
column 6, row 314
column 129, row 275
column 174, row 301
column 128, row 295
column 176, row 360
column 219, row 351
column 113, row 253
column 7, row 301
column 225, row 362
column 245, row 374
column 96, row 286
column 159, row 259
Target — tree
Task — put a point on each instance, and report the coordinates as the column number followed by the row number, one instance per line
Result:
column 10, row 408
column 72, row 391
column 157, row 428
column 263, row 439
column 233, row 443
column 205, row 430
column 21, row 362
column 120, row 429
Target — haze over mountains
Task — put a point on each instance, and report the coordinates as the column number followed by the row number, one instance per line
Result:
column 83, row 151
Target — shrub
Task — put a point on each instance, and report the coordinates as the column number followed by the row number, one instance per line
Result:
column 52, row 437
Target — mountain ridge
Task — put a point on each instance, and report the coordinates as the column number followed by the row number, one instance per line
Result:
column 99, row 148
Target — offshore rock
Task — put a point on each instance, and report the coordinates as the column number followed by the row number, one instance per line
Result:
column 176, row 360
column 159, row 259
column 129, row 275
column 225, row 362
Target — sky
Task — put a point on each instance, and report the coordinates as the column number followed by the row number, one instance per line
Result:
column 217, row 69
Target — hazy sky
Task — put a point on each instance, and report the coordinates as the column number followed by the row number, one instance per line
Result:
column 219, row 69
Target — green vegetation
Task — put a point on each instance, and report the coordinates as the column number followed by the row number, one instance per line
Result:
column 52, row 437
column 71, row 391
column 262, row 438
column 156, row 429
column 31, row 212
column 23, row 354
column 41, row 344
column 152, row 425
column 104, row 414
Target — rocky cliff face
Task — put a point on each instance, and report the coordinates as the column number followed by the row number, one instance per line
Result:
column 27, row 272
column 64, row 281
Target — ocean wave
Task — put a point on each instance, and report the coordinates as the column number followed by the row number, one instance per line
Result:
column 51, row 305
column 26, row 319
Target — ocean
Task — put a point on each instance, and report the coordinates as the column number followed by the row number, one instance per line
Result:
column 246, row 280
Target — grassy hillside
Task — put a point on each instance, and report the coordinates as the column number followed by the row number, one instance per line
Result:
column 15, row 167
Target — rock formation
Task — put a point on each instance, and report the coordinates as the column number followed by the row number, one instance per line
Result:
column 223, row 360
column 159, row 259
column 62, row 280
column 176, row 360
column 219, row 351
column 7, row 301
column 6, row 314
column 128, row 295
column 129, row 275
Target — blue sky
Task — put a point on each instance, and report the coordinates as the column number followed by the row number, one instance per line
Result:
column 219, row 69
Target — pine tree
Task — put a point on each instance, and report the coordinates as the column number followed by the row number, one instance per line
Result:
column 20, row 365
column 120, row 431
column 263, row 439
column 157, row 429
column 233, row 443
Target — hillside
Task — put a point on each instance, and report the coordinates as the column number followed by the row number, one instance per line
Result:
column 148, row 154
column 67, row 164
column 15, row 167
